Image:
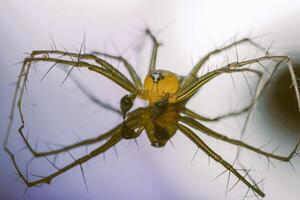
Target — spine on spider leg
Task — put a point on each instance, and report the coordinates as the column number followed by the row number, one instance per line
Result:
column 294, row 82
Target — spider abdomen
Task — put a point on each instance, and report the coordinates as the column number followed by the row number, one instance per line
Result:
column 160, row 84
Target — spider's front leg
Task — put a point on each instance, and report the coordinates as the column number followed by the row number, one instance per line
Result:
column 192, row 75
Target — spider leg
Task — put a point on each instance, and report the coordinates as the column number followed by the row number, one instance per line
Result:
column 102, row 67
column 192, row 88
column 155, row 46
column 136, row 79
column 193, row 73
column 47, row 179
column 197, row 125
column 200, row 144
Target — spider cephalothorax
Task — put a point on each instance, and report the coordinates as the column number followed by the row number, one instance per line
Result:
column 160, row 84
column 165, row 114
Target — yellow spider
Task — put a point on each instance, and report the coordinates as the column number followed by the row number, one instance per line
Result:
column 167, row 94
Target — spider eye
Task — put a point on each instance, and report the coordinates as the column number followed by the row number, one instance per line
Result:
column 160, row 107
column 127, row 132
column 157, row 75
column 126, row 103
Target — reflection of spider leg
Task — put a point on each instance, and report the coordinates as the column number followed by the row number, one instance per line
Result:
column 14, row 101
column 156, row 44
column 136, row 79
column 194, row 115
column 92, row 97
column 193, row 87
column 192, row 75
column 200, row 144
column 197, row 125
column 76, row 145
column 47, row 179
column 197, row 116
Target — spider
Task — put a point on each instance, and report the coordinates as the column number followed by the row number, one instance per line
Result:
column 166, row 114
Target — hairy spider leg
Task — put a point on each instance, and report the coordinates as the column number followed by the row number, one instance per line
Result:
column 103, row 66
column 136, row 79
column 192, row 75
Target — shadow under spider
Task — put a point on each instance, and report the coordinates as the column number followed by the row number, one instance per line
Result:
column 166, row 113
